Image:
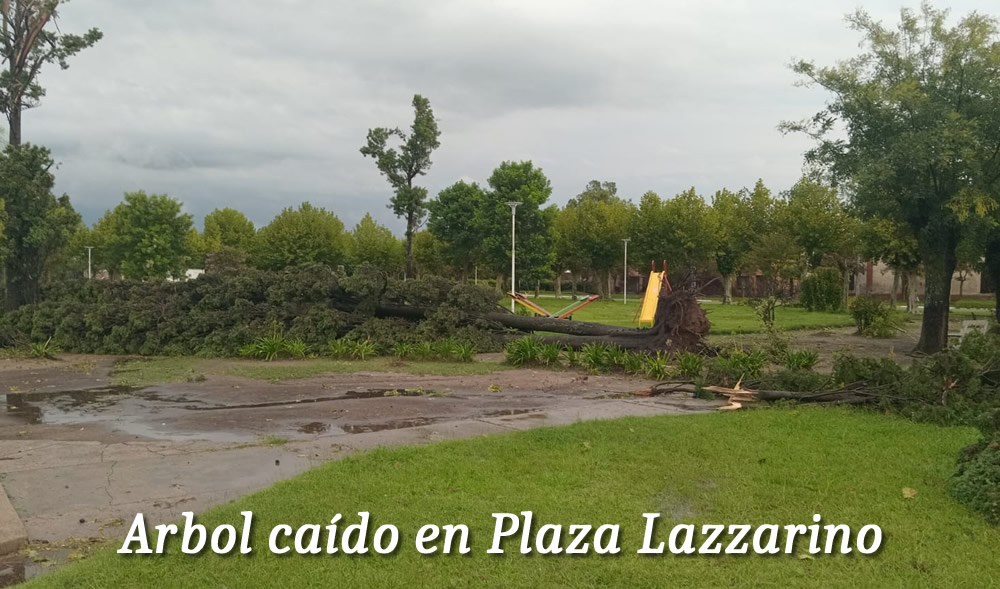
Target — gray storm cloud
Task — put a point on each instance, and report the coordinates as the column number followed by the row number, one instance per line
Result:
column 260, row 104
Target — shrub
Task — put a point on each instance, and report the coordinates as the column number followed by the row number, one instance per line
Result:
column 444, row 349
column 594, row 357
column 690, row 364
column 634, row 364
column 402, row 350
column 800, row 359
column 46, row 349
column 524, row 351
column 361, row 349
column 423, row 351
column 296, row 348
column 550, row 354
column 572, row 357
column 268, row 347
column 872, row 317
column 823, row 290
column 340, row 348
column 658, row 366
column 615, row 358
column 465, row 352
column 735, row 366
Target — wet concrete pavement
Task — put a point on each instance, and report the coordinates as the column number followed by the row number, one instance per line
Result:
column 81, row 464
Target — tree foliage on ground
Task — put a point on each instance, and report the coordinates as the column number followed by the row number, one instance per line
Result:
column 306, row 235
column 218, row 313
column 31, row 38
column 402, row 165
column 36, row 222
column 374, row 244
column 145, row 237
column 912, row 128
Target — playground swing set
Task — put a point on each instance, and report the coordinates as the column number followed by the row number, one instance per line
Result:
column 658, row 283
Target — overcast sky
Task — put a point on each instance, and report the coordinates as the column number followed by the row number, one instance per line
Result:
column 261, row 104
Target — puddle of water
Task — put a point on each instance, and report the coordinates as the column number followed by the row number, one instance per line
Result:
column 378, row 427
column 121, row 409
column 315, row 427
column 508, row 412
column 29, row 406
column 18, row 568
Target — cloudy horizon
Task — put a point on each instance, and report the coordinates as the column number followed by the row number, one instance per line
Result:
column 267, row 106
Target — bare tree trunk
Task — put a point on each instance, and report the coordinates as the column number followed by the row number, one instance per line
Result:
column 499, row 282
column 845, row 295
column 727, row 290
column 14, row 120
column 410, row 269
column 939, row 268
column 538, row 288
column 557, row 285
column 911, row 293
column 895, row 287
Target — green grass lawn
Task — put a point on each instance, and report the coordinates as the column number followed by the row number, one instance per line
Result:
column 754, row 467
column 726, row 319
column 147, row 371
column 975, row 303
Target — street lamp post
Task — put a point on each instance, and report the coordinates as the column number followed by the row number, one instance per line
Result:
column 90, row 274
column 625, row 274
column 513, row 281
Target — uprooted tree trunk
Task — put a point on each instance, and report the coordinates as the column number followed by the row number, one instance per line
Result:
column 680, row 324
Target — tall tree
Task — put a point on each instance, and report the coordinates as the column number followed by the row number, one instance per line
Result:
column 735, row 236
column 893, row 244
column 588, row 232
column 228, row 228
column 371, row 243
column 301, row 236
column 821, row 226
column 37, row 224
column 516, row 182
column 451, row 221
column 680, row 230
column 31, row 39
column 401, row 166
column 146, row 237
column 913, row 129
column 429, row 255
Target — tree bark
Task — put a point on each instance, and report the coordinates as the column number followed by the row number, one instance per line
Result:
column 846, row 291
column 410, row 271
column 14, row 120
column 993, row 268
column 557, row 285
column 727, row 290
column 892, row 292
column 939, row 267
column 912, row 303
column 500, row 281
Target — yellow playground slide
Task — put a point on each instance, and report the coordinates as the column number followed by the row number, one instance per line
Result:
column 648, row 312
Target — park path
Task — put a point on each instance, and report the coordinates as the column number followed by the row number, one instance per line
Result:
column 77, row 465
